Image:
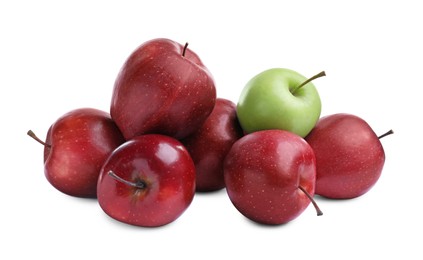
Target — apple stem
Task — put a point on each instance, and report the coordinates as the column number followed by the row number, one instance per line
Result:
column 321, row 74
column 185, row 49
column 319, row 212
column 138, row 184
column 30, row 133
column 387, row 133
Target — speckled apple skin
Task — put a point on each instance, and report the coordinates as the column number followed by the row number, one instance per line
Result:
column 167, row 170
column 263, row 172
column 80, row 142
column 209, row 145
column 349, row 156
column 161, row 91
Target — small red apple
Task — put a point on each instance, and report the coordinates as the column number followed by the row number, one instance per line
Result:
column 162, row 88
column 349, row 156
column 270, row 176
column 75, row 149
column 148, row 181
column 209, row 145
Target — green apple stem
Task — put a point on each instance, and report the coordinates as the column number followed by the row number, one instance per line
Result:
column 139, row 184
column 319, row 212
column 321, row 74
column 387, row 133
column 30, row 133
column 185, row 49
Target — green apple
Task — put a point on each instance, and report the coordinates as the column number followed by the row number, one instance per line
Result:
column 279, row 99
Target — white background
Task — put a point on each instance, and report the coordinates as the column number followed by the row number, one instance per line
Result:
column 57, row 56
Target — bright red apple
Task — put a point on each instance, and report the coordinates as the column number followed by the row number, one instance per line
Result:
column 349, row 156
column 270, row 176
column 76, row 147
column 148, row 181
column 209, row 145
column 163, row 88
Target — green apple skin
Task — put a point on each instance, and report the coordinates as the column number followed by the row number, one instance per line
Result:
column 266, row 102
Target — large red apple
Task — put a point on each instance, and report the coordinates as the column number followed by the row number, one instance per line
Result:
column 164, row 88
column 270, row 176
column 148, row 181
column 76, row 147
column 209, row 145
column 349, row 156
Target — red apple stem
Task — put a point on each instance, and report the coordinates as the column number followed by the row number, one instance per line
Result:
column 30, row 133
column 319, row 212
column 318, row 75
column 185, row 49
column 138, row 184
column 387, row 133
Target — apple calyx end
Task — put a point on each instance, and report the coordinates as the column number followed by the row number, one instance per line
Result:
column 318, row 75
column 185, row 49
column 318, row 211
column 139, row 184
column 385, row 134
column 35, row 137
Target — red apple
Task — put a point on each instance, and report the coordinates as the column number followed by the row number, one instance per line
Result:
column 163, row 88
column 75, row 149
column 209, row 145
column 270, row 176
column 349, row 156
column 148, row 181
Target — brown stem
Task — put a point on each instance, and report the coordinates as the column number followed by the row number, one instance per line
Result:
column 30, row 133
column 319, row 212
column 321, row 74
column 185, row 49
column 138, row 184
column 387, row 133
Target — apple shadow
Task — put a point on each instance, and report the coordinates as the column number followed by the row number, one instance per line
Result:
column 131, row 227
column 87, row 200
column 266, row 226
column 222, row 192
column 210, row 193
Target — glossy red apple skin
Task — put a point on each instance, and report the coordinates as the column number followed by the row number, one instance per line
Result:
column 163, row 165
column 263, row 172
column 209, row 145
column 349, row 156
column 80, row 140
column 160, row 90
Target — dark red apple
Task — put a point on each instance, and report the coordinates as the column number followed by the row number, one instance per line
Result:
column 163, row 88
column 76, row 147
column 209, row 145
column 270, row 176
column 349, row 156
column 148, row 181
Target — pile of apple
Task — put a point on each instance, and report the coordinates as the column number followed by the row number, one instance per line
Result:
column 168, row 136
